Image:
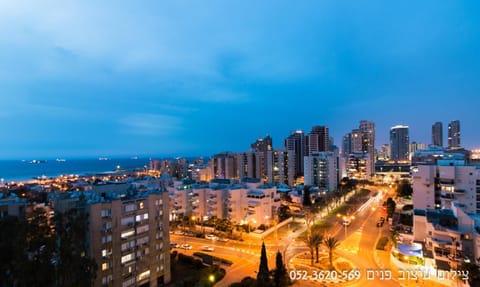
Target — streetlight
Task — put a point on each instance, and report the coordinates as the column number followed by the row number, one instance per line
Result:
column 346, row 221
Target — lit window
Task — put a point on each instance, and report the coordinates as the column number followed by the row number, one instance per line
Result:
column 141, row 205
column 104, row 266
column 127, row 258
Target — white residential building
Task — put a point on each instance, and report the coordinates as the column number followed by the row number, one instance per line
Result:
column 320, row 169
column 446, row 200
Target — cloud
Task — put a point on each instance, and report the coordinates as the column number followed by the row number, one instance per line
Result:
column 150, row 125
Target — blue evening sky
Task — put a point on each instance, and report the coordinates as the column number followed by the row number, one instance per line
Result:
column 91, row 78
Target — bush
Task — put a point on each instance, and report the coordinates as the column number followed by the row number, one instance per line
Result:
column 189, row 260
column 407, row 207
column 406, row 219
column 209, row 259
column 382, row 242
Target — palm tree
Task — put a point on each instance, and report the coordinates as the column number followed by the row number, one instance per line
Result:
column 394, row 238
column 310, row 244
column 316, row 239
column 331, row 243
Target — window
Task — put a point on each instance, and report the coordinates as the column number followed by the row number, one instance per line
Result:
column 107, row 226
column 143, row 275
column 128, row 245
column 141, row 205
column 129, row 207
column 127, row 220
column 143, row 240
column 128, row 282
column 127, row 257
column 142, row 229
column 106, row 252
column 106, row 212
column 127, row 233
column 106, row 239
column 104, row 266
column 107, row 279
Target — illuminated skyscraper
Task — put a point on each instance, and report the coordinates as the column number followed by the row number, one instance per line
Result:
column 454, row 134
column 399, row 143
column 295, row 147
column 317, row 140
column 437, row 134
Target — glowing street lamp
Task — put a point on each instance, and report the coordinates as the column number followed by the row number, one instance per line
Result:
column 347, row 219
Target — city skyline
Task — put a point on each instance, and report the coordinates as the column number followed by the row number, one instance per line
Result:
column 177, row 78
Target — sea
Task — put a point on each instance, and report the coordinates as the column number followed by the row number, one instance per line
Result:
column 23, row 170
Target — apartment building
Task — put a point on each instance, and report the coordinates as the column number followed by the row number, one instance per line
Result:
column 128, row 230
column 249, row 199
column 446, row 199
column 321, row 170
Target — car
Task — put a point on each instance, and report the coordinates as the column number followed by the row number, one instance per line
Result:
column 186, row 246
column 173, row 245
column 382, row 219
column 208, row 248
column 222, row 239
column 211, row 237
column 466, row 259
column 379, row 224
column 346, row 222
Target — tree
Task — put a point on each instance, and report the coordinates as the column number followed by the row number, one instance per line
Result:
column 306, row 200
column 284, row 212
column 390, row 205
column 280, row 276
column 263, row 276
column 317, row 239
column 311, row 246
column 394, row 238
column 74, row 267
column 331, row 243
column 404, row 189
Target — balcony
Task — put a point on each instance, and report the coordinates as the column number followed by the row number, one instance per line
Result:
column 447, row 196
column 444, row 181
column 459, row 191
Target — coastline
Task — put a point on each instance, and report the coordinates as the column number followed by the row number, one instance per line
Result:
column 19, row 171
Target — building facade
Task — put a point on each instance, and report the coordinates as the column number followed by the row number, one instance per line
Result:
column 317, row 140
column 321, row 170
column 454, row 134
column 295, row 148
column 437, row 134
column 399, row 143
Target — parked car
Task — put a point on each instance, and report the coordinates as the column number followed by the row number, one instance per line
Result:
column 173, row 244
column 208, row 248
column 186, row 246
column 222, row 239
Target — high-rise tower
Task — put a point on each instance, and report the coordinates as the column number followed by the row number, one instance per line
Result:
column 454, row 134
column 317, row 140
column 399, row 143
column 437, row 134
